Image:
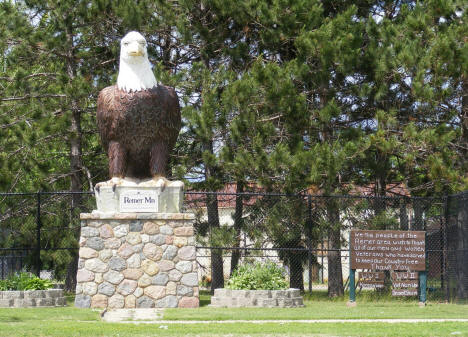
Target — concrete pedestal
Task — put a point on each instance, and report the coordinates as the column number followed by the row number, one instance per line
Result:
column 169, row 195
column 137, row 260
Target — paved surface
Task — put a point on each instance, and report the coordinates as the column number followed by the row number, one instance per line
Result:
column 154, row 316
column 132, row 315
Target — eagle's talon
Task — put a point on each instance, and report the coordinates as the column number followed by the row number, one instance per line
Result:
column 161, row 182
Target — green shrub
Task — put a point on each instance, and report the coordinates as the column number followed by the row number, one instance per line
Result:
column 24, row 281
column 266, row 276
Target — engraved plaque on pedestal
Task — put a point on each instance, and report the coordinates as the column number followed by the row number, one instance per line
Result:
column 133, row 200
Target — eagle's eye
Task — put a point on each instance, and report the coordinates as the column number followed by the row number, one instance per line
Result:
column 143, row 43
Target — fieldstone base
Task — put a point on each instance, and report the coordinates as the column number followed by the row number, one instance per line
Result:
column 137, row 260
column 32, row 298
column 257, row 298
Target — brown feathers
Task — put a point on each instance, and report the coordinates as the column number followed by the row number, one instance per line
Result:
column 138, row 129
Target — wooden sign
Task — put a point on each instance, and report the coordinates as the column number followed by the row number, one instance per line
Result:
column 404, row 292
column 388, row 250
column 405, row 283
column 404, row 275
column 371, row 280
column 371, row 275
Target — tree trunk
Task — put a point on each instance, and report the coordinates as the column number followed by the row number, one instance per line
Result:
column 217, row 273
column 335, row 275
column 217, row 270
column 462, row 248
column 236, row 253
column 296, row 270
column 75, row 138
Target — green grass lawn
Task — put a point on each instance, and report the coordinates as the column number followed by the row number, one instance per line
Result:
column 70, row 321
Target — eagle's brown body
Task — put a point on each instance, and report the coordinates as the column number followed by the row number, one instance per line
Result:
column 138, row 129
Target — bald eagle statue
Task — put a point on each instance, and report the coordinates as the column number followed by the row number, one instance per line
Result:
column 138, row 120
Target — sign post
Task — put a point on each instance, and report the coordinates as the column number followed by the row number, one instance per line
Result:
column 352, row 286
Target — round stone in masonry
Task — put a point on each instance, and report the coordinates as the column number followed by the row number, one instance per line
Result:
column 98, row 278
column 169, row 301
column 187, row 253
column 96, row 265
column 127, row 287
column 189, row 302
column 184, row 266
column 152, row 251
column 95, row 243
column 160, row 279
column 116, row 301
column 106, row 231
column 89, row 232
column 113, row 277
column 166, row 265
column 130, row 301
column 133, row 238
column 150, row 228
column 190, row 279
column 94, row 224
column 145, row 302
column 105, row 255
column 106, row 288
column 144, row 281
column 166, row 230
column 125, row 250
column 175, row 275
column 184, row 290
column 158, row 239
column 113, row 243
column 180, row 242
column 171, row 288
column 132, row 273
column 136, row 226
column 89, row 288
column 88, row 253
column 170, row 253
column 84, row 275
column 138, row 292
column 183, row 231
column 99, row 301
column 155, row 292
column 121, row 231
column 138, row 248
column 151, row 268
column 117, row 263
column 83, row 301
column 134, row 261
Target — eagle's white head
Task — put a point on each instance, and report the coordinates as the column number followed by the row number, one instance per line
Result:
column 135, row 72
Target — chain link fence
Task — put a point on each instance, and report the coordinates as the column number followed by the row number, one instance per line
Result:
column 39, row 232
column 307, row 235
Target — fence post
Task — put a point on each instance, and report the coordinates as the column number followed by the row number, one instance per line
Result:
column 38, row 236
column 352, row 272
column 445, row 247
column 309, row 239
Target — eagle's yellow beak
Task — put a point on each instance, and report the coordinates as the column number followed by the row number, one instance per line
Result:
column 135, row 53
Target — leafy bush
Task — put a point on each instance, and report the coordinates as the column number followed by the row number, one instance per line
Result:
column 266, row 276
column 24, row 281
